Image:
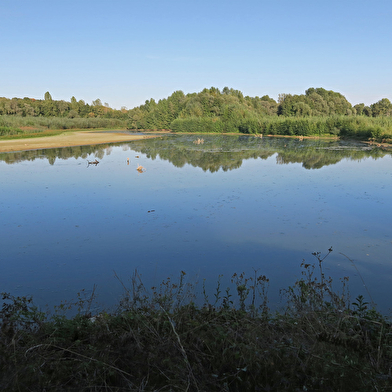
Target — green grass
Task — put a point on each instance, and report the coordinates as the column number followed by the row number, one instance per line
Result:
column 10, row 131
column 158, row 339
column 27, row 134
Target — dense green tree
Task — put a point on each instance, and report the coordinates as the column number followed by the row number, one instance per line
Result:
column 359, row 109
column 301, row 109
column 63, row 107
column 73, row 114
column 286, row 102
column 337, row 103
column 47, row 96
column 264, row 105
column 316, row 102
column 134, row 118
column 226, row 110
column 382, row 108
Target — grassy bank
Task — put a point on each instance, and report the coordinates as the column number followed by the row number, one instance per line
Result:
column 159, row 339
column 17, row 133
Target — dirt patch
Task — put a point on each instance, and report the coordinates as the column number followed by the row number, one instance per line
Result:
column 67, row 139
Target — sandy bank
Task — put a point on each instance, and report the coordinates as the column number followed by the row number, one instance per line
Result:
column 69, row 138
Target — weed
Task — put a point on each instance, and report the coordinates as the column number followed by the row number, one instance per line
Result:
column 159, row 339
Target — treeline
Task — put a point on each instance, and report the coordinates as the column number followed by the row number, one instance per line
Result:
column 47, row 107
column 16, row 126
column 228, row 105
column 316, row 112
column 320, row 102
column 29, row 117
column 209, row 110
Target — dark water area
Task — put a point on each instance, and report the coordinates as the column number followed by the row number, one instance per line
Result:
column 222, row 205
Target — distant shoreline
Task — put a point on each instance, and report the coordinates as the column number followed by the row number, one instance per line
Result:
column 68, row 139
column 91, row 137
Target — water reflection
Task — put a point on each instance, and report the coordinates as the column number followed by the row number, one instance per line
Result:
column 230, row 204
column 217, row 152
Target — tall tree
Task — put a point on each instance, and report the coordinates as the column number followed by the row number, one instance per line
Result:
column 382, row 108
column 359, row 109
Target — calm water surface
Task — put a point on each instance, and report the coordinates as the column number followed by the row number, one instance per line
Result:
column 231, row 204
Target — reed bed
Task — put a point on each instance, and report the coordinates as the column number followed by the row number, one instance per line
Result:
column 31, row 124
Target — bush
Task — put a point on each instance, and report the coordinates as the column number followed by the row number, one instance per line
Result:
column 40, row 123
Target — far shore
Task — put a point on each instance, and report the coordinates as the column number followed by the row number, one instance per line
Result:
column 83, row 138
column 68, row 139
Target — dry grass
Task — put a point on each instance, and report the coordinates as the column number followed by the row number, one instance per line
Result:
column 66, row 139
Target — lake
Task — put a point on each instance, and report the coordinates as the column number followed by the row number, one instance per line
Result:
column 226, row 204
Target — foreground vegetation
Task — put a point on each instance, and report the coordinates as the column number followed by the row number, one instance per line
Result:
column 232, row 342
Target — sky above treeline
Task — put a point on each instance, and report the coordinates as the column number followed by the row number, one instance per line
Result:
column 125, row 52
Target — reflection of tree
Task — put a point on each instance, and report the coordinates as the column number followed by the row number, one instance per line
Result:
column 228, row 152
column 224, row 152
column 52, row 160
column 100, row 154
column 217, row 152
column 51, row 154
column 319, row 155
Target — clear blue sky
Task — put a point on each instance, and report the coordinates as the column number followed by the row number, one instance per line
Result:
column 124, row 51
